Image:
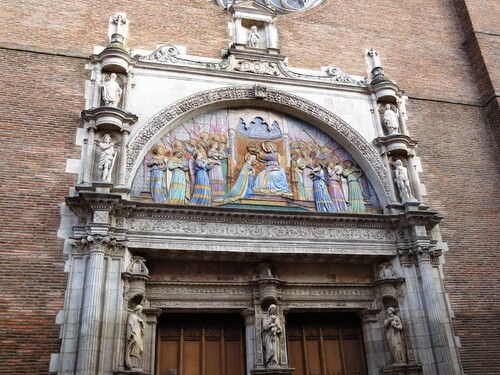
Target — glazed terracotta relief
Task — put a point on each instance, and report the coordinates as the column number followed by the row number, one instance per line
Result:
column 253, row 159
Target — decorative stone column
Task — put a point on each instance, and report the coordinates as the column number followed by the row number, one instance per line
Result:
column 123, row 156
column 373, row 340
column 88, row 161
column 438, row 336
column 88, row 348
column 272, row 35
column 151, row 320
column 249, row 317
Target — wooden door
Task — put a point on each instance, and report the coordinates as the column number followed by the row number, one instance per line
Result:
column 210, row 344
column 325, row 344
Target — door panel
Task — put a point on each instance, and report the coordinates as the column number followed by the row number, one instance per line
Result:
column 325, row 344
column 195, row 344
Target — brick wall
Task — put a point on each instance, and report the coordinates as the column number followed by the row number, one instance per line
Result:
column 39, row 114
column 421, row 49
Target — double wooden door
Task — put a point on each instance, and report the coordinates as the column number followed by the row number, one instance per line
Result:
column 325, row 344
column 214, row 344
column 209, row 344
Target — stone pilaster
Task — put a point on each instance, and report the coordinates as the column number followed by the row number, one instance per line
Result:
column 88, row 351
column 123, row 157
column 373, row 340
column 88, row 161
column 249, row 316
column 439, row 340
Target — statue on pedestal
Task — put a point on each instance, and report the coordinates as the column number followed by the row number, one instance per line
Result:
column 111, row 91
column 395, row 336
column 106, row 157
column 402, row 181
column 391, row 120
column 271, row 336
column 135, row 339
column 253, row 37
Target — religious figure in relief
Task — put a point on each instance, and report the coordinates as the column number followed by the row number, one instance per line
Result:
column 355, row 194
column 271, row 336
column 243, row 186
column 216, row 174
column 111, row 91
column 391, row 120
column 178, row 178
column 253, row 37
column 395, row 336
column 157, row 182
column 402, row 181
column 202, row 193
column 135, row 339
column 272, row 180
column 334, row 179
column 321, row 197
column 305, row 164
column 106, row 157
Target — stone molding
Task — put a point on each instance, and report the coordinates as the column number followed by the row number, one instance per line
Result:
column 239, row 295
column 246, row 62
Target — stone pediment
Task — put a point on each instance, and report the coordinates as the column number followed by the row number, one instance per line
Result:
column 249, row 8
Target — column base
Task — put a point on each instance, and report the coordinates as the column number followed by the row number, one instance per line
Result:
column 402, row 369
column 273, row 371
column 135, row 371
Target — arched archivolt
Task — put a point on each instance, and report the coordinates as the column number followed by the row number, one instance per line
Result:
column 249, row 96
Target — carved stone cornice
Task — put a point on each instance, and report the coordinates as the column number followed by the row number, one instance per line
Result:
column 396, row 144
column 114, row 58
column 253, row 62
column 109, row 118
column 89, row 202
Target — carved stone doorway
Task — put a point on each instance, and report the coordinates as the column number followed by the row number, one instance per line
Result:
column 325, row 344
column 200, row 344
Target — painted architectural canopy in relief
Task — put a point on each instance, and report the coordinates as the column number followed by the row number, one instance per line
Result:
column 253, row 158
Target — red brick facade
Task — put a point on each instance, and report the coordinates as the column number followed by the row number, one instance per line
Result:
column 443, row 54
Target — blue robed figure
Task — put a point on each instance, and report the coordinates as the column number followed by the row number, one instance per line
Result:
column 272, row 179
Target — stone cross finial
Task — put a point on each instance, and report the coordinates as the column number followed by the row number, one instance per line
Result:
column 117, row 28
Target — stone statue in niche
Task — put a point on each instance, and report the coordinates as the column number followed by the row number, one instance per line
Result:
column 253, row 37
column 272, row 180
column 157, row 179
column 395, row 336
column 402, row 181
column 271, row 336
column 135, row 339
column 391, row 120
column 111, row 91
column 107, row 157
column 355, row 193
